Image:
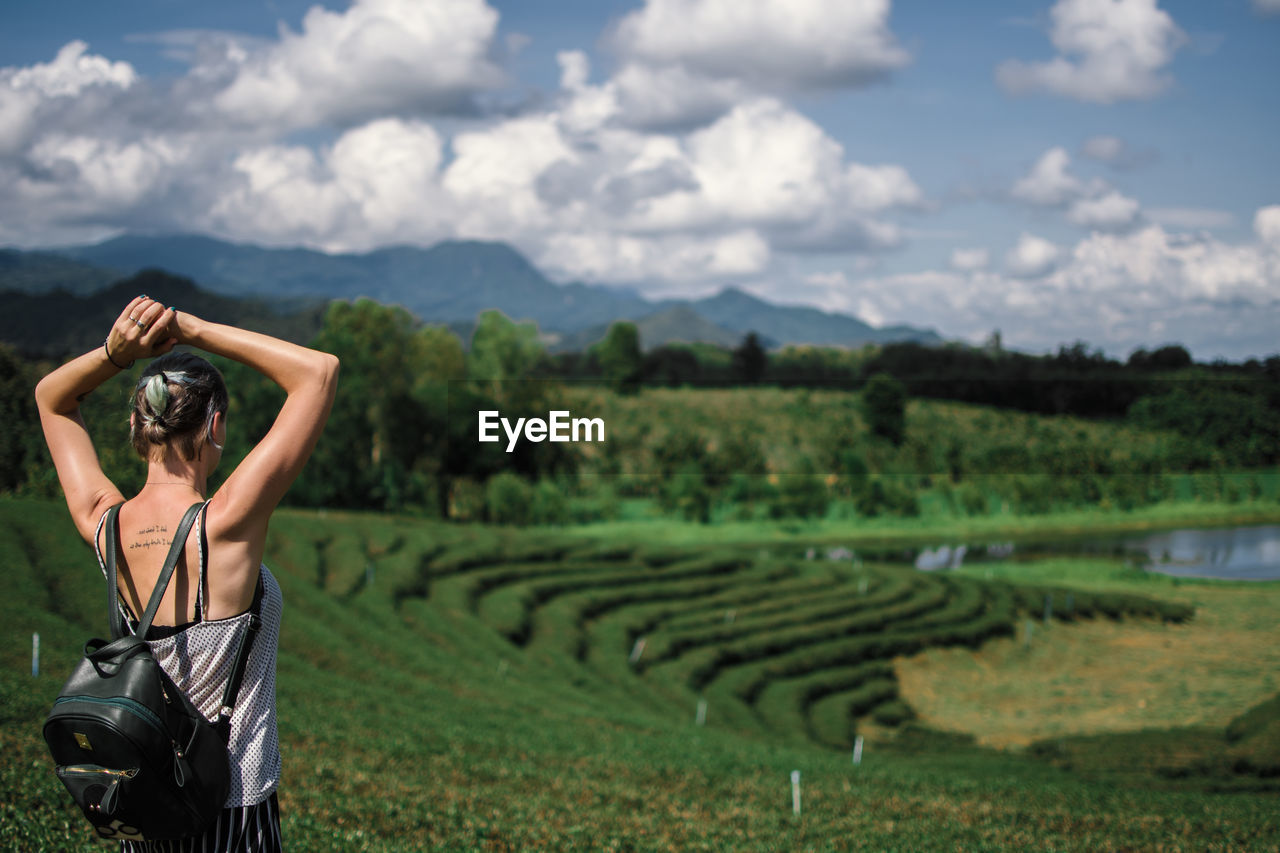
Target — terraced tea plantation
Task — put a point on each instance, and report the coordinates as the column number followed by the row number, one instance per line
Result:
column 444, row 687
column 776, row 644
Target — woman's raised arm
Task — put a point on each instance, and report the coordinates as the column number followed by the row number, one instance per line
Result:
column 309, row 378
column 141, row 331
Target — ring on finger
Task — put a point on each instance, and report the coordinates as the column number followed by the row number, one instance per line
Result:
column 140, row 324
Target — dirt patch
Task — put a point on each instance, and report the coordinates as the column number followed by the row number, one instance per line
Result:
column 1103, row 676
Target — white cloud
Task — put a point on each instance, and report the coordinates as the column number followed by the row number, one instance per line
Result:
column 75, row 185
column 1048, row 183
column 70, row 73
column 17, row 119
column 584, row 201
column 1174, row 269
column 672, row 96
column 1192, row 218
column 1108, row 212
column 1090, row 205
column 671, row 263
column 1267, row 7
column 377, row 184
column 568, row 184
column 495, row 171
column 27, row 93
column 1266, row 224
column 787, row 44
column 1109, row 51
column 765, row 166
column 1117, row 291
column 1032, row 257
column 372, row 59
column 684, row 63
column 643, row 96
column 966, row 260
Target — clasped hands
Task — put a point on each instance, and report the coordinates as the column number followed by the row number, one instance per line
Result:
column 144, row 329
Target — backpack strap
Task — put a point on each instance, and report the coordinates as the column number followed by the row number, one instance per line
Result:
column 108, row 563
column 112, row 520
column 223, row 723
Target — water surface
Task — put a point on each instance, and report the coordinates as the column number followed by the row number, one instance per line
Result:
column 1229, row 553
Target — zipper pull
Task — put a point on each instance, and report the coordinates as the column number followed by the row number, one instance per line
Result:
column 179, row 776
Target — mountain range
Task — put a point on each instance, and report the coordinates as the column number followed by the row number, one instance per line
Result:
column 451, row 283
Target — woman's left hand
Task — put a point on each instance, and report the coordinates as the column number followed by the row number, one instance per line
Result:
column 141, row 331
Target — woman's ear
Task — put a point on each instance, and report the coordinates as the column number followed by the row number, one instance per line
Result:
column 218, row 430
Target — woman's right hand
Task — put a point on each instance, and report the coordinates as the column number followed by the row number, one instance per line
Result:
column 143, row 330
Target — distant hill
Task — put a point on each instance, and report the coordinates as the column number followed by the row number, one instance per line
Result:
column 454, row 281
column 58, row 324
column 741, row 312
column 45, row 272
column 677, row 324
column 450, row 282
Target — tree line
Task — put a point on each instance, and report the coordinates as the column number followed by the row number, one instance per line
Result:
column 402, row 436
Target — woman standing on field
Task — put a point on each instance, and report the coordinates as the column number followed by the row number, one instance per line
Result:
column 178, row 425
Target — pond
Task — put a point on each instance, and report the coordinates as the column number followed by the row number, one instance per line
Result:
column 1232, row 553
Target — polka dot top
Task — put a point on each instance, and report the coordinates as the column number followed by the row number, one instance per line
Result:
column 199, row 658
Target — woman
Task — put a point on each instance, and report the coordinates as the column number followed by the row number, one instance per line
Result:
column 178, row 426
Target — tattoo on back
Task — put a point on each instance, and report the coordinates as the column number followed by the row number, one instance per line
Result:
column 149, row 536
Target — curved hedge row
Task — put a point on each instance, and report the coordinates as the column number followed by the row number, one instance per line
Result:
column 823, row 609
column 1067, row 604
column 801, row 647
column 532, row 595
column 748, row 600
column 925, row 597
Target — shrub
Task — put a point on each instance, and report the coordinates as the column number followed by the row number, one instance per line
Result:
column 509, row 499
column 887, row 497
column 800, row 496
column 893, row 713
column 687, row 493
column 550, row 504
column 884, row 403
column 466, row 500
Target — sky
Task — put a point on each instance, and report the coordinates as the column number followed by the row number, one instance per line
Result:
column 1105, row 171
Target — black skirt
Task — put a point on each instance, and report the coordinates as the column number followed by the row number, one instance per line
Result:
column 239, row 829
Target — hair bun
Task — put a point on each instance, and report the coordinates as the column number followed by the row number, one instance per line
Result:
column 174, row 401
column 157, row 394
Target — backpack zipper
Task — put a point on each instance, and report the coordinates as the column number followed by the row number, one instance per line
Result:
column 93, row 770
column 135, row 708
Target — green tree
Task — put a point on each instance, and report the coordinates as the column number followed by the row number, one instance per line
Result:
column 501, row 353
column 620, row 358
column 386, row 435
column 884, row 404
column 750, row 360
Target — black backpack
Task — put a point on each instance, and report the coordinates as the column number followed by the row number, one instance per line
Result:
column 140, row 760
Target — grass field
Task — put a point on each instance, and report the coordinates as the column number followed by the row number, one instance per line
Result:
column 469, row 688
column 1101, row 675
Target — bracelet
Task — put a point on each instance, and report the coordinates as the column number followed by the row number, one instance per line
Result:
column 112, row 360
